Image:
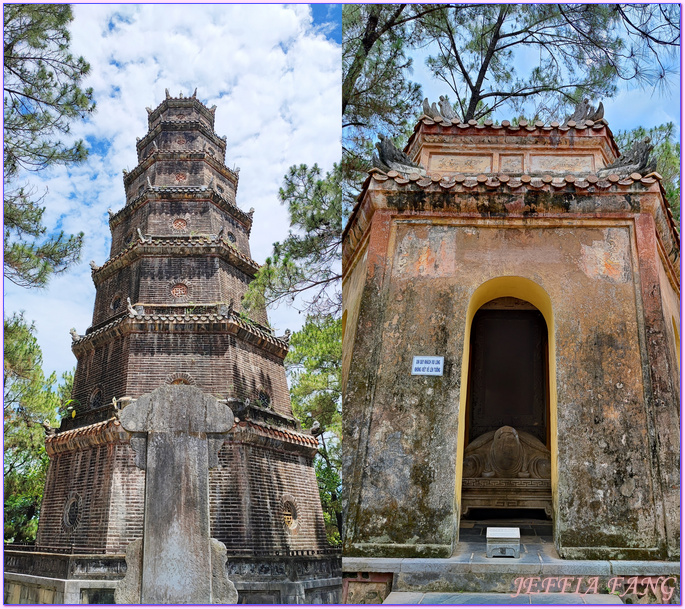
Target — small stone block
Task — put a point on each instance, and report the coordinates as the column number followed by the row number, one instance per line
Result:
column 503, row 542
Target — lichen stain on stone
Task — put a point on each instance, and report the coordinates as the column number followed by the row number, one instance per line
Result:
column 628, row 487
column 606, row 258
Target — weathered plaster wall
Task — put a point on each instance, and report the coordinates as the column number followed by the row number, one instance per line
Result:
column 402, row 431
column 353, row 285
column 671, row 303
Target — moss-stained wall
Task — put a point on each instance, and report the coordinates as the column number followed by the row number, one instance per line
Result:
column 402, row 432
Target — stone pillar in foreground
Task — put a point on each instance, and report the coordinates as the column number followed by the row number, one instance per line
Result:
column 177, row 433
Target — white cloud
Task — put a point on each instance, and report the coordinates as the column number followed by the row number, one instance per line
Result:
column 275, row 80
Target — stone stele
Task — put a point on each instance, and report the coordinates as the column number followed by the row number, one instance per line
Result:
column 178, row 431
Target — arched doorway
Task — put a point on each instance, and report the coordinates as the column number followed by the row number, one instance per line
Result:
column 508, row 377
column 507, row 430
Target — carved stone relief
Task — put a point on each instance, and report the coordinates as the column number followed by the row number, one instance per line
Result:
column 506, row 468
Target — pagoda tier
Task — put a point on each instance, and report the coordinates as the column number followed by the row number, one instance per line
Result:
column 168, row 310
column 168, row 300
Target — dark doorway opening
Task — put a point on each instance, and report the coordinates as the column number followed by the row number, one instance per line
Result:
column 508, row 370
column 507, row 459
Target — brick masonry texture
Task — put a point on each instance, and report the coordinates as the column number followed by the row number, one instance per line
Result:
column 121, row 354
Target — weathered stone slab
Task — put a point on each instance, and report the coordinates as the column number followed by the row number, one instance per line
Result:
column 462, row 163
column 540, row 163
column 179, row 563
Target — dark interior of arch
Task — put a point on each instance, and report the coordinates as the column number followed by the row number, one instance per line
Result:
column 508, row 372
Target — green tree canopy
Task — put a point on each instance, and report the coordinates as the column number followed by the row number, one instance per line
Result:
column 563, row 52
column 308, row 262
column 41, row 97
column 314, row 367
column 29, row 400
column 376, row 93
column 572, row 50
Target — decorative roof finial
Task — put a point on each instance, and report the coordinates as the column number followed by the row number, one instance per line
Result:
column 166, row 92
column 446, row 108
column 584, row 111
column 390, row 157
column 636, row 160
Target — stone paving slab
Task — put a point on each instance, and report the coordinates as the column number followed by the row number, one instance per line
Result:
column 488, row 598
column 467, row 562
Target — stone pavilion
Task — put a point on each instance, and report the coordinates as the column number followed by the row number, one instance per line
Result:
column 511, row 341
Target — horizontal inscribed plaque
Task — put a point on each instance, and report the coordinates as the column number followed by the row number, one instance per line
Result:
column 461, row 163
column 565, row 163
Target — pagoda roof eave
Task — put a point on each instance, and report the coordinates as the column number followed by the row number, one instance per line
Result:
column 156, row 193
column 193, row 245
column 523, row 128
column 230, row 322
column 380, row 186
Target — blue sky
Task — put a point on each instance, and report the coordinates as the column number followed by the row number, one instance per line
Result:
column 273, row 72
column 330, row 17
column 631, row 107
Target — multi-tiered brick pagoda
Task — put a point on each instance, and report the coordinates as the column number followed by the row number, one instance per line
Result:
column 168, row 310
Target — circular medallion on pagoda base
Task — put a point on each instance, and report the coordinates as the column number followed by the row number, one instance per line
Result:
column 180, row 177
column 179, row 378
column 71, row 516
column 179, row 224
column 289, row 515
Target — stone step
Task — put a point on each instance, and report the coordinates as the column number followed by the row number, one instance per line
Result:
column 536, row 575
column 493, row 598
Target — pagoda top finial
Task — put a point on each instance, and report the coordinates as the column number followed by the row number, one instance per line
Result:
column 181, row 108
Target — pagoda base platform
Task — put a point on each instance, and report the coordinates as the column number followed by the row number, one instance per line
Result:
column 55, row 578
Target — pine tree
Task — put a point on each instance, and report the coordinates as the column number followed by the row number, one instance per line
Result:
column 30, row 399
column 314, row 366
column 308, row 261
column 42, row 96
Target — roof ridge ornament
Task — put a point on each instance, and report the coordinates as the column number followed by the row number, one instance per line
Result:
column 444, row 113
column 392, row 158
column 637, row 160
column 584, row 111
